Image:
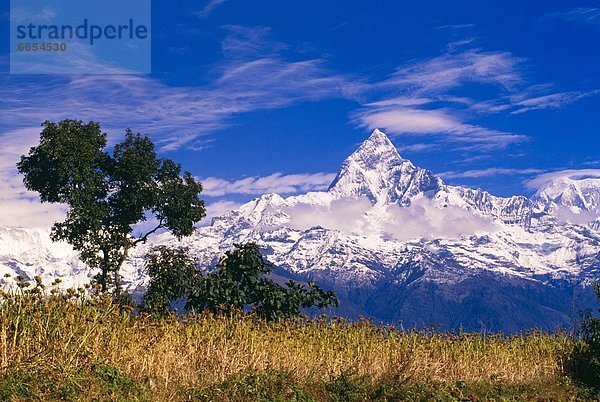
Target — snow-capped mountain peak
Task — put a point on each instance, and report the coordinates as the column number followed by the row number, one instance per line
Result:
column 577, row 189
column 376, row 171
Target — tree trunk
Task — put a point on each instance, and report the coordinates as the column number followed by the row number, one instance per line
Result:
column 117, row 278
column 105, row 269
column 102, row 281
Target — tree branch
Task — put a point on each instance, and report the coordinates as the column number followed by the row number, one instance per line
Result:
column 145, row 237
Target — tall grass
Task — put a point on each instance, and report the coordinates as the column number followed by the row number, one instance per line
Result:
column 72, row 346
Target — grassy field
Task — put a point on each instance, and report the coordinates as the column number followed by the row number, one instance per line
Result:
column 64, row 348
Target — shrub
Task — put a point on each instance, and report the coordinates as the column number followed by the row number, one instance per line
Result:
column 240, row 282
column 251, row 385
column 586, row 356
column 172, row 274
column 348, row 388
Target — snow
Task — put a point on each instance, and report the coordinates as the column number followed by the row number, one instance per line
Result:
column 380, row 215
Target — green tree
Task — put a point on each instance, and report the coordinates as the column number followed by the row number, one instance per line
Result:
column 240, row 282
column 107, row 195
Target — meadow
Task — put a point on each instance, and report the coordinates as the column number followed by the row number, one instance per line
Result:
column 68, row 346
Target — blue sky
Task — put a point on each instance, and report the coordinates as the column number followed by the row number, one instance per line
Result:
column 271, row 96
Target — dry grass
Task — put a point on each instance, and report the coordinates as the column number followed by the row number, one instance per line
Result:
column 66, row 337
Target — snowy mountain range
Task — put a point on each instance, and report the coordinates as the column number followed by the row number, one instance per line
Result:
column 397, row 244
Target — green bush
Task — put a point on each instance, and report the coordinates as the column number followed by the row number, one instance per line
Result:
column 115, row 382
column 349, row 388
column 15, row 384
column 586, row 356
column 240, row 282
column 252, row 386
column 172, row 273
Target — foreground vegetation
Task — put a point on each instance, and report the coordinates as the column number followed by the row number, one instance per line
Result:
column 69, row 347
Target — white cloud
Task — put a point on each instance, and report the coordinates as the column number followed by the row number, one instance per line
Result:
column 456, row 26
column 20, row 15
column 82, row 60
column 533, row 97
column 274, row 183
column 575, row 217
column 417, row 99
column 589, row 15
column 427, row 105
column 425, row 98
column 348, row 215
column 453, row 69
column 551, row 101
column 253, row 75
column 439, row 122
column 489, row 172
column 423, row 220
column 410, row 121
column 419, row 220
column 19, row 207
column 209, row 8
column 547, row 178
column 417, row 147
column 218, row 208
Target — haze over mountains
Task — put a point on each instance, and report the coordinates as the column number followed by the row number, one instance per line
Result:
column 397, row 244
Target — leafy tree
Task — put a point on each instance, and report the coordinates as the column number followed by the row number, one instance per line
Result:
column 240, row 282
column 107, row 195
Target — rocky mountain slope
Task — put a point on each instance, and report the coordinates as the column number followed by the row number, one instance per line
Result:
column 398, row 244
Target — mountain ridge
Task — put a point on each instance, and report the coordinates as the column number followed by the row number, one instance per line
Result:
column 386, row 232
